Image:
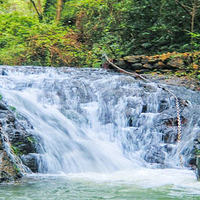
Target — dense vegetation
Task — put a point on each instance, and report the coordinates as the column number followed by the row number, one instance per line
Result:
column 78, row 32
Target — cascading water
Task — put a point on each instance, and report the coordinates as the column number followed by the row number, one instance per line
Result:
column 94, row 121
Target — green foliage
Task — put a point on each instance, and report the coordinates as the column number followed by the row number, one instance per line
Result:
column 25, row 41
column 16, row 168
column 32, row 140
column 196, row 151
column 90, row 28
column 54, row 46
column 196, row 40
column 50, row 10
column 16, row 150
column 12, row 108
column 129, row 27
column 0, row 97
column 14, row 30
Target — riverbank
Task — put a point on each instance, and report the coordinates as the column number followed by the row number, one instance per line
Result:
column 186, row 81
column 181, row 69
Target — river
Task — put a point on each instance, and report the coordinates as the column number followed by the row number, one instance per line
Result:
column 103, row 135
column 145, row 184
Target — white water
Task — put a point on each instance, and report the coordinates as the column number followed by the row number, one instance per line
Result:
column 82, row 117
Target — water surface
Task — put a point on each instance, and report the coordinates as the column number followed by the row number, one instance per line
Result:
column 139, row 184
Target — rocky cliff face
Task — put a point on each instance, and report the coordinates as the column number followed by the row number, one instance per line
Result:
column 16, row 147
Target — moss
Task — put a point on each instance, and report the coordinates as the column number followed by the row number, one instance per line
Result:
column 32, row 140
column 16, row 150
column 18, row 172
column 16, row 168
column 12, row 108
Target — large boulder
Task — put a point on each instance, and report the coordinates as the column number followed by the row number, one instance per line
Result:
column 15, row 144
column 10, row 166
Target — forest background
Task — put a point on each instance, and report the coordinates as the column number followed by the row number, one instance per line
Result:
column 77, row 33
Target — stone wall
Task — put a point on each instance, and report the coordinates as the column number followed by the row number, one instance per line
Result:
column 169, row 62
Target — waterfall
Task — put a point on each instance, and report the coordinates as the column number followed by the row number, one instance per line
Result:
column 91, row 120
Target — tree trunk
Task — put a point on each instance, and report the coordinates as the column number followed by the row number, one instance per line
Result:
column 40, row 6
column 58, row 10
column 193, row 13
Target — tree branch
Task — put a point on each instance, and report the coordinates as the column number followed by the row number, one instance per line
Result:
column 38, row 13
column 183, row 6
column 190, row 13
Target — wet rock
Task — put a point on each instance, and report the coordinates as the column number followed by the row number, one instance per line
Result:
column 2, row 106
column 164, row 105
column 144, row 108
column 169, row 136
column 15, row 142
column 148, row 88
column 31, row 161
column 10, row 167
column 154, row 154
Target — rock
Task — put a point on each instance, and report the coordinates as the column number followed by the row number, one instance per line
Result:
column 169, row 136
column 160, row 65
column 148, row 66
column 154, row 154
column 148, row 88
column 176, row 63
column 132, row 59
column 2, row 106
column 10, row 167
column 168, row 62
column 136, row 66
column 153, row 60
column 164, row 105
column 15, row 143
column 121, row 63
column 144, row 60
column 30, row 160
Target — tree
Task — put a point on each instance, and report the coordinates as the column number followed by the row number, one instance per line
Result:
column 59, row 9
column 40, row 6
column 191, row 10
